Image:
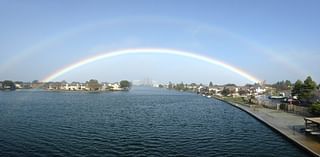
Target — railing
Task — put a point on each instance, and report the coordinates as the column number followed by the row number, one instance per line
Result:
column 300, row 110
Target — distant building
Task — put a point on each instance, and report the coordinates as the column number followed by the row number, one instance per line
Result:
column 260, row 90
column 114, row 86
column 55, row 86
column 19, row 85
column 37, row 85
column 73, row 86
column 216, row 90
column 26, row 85
column 202, row 89
column 8, row 85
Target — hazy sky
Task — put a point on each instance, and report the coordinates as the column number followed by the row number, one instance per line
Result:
column 272, row 40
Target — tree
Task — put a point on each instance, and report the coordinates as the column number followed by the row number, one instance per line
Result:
column 170, row 86
column 282, row 85
column 193, row 84
column 93, row 85
column 125, row 84
column 243, row 92
column 231, row 84
column 35, row 81
column 7, row 84
column 180, row 86
column 225, row 91
column 288, row 83
column 305, row 90
column 297, row 88
column 210, row 84
column 308, row 90
column 315, row 109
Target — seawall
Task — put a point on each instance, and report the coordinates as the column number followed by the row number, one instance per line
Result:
column 278, row 122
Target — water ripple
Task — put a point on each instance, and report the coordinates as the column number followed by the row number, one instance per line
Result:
column 142, row 122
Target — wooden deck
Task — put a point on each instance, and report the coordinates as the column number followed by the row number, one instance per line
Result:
column 312, row 126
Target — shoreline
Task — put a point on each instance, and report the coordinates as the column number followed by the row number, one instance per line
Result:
column 307, row 143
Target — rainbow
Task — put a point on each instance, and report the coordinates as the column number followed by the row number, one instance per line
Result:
column 122, row 52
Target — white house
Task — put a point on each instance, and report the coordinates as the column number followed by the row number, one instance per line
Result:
column 72, row 86
column 260, row 90
column 200, row 89
column 18, row 85
column 115, row 86
column 215, row 90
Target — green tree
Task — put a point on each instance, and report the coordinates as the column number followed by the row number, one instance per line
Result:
column 282, row 85
column 125, row 84
column 288, row 82
column 315, row 109
column 297, row 88
column 7, row 84
column 231, row 84
column 243, row 92
column 35, row 81
column 225, row 91
column 308, row 90
column 180, row 86
column 93, row 85
column 305, row 90
column 210, row 84
column 170, row 85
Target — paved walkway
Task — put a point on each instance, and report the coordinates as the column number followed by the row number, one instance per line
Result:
column 288, row 124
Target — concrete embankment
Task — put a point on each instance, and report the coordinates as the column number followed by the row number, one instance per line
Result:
column 289, row 125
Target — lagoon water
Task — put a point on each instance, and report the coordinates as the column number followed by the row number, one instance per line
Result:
column 142, row 122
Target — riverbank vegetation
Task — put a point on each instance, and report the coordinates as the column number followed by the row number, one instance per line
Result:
column 7, row 85
column 304, row 95
column 90, row 85
column 315, row 109
column 306, row 91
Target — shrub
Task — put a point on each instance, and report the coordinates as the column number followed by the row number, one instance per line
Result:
column 315, row 109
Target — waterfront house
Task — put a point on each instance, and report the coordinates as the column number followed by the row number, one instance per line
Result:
column 18, row 85
column 83, row 86
column 215, row 90
column 191, row 87
column 55, row 86
column 93, row 85
column 202, row 89
column 74, row 86
column 26, row 85
column 114, row 86
column 105, row 86
column 156, row 85
column 36, row 84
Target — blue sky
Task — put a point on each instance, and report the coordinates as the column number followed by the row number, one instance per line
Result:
column 272, row 40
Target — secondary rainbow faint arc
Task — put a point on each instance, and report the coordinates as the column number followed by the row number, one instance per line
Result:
column 122, row 52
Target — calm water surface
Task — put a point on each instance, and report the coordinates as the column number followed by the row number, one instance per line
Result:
column 142, row 122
